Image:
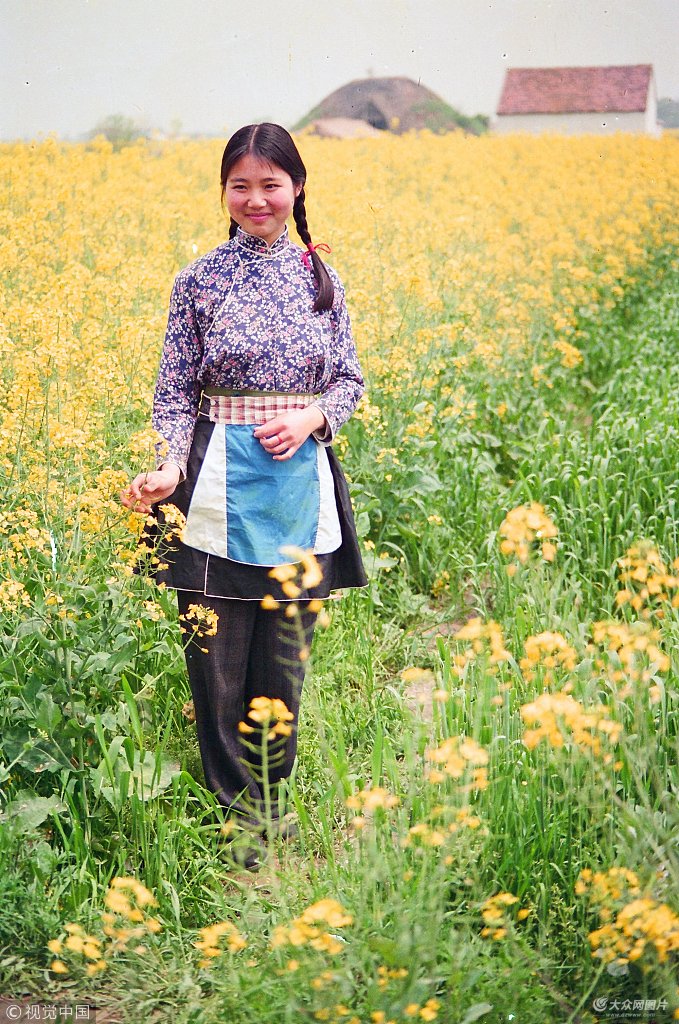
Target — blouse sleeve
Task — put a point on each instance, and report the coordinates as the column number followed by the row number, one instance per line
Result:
column 177, row 394
column 345, row 384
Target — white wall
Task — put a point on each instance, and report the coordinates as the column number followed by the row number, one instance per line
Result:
column 651, row 121
column 577, row 124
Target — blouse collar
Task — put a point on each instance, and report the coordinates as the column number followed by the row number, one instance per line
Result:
column 257, row 246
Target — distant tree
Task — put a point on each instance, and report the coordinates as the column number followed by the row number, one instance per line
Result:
column 119, row 130
column 668, row 113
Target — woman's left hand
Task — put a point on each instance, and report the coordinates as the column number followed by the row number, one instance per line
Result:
column 285, row 434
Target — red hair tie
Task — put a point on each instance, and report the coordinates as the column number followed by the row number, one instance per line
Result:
column 321, row 247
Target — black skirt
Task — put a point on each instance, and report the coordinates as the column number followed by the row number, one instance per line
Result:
column 176, row 565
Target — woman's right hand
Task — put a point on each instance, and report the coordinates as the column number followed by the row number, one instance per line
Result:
column 149, row 488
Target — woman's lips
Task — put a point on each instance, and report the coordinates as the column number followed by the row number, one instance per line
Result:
column 258, row 216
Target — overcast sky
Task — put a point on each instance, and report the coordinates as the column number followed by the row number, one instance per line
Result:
column 217, row 64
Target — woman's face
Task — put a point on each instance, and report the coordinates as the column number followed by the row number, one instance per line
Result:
column 260, row 196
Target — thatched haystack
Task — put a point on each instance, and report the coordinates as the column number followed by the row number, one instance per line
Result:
column 393, row 104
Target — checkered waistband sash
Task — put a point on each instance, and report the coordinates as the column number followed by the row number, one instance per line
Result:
column 251, row 408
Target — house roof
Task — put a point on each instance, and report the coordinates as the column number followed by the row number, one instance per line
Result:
column 575, row 90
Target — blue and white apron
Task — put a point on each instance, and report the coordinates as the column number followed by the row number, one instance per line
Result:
column 245, row 505
column 242, row 506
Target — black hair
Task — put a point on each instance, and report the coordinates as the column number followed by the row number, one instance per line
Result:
column 275, row 145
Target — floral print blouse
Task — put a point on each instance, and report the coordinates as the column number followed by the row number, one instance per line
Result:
column 241, row 318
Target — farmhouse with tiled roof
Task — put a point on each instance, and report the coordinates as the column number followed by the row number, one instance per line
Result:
column 576, row 101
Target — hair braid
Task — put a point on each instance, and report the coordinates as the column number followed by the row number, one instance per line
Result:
column 233, row 228
column 326, row 291
column 299, row 213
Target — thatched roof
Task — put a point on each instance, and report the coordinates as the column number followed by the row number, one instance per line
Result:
column 392, row 104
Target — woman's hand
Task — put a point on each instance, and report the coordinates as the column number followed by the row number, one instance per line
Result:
column 285, row 434
column 149, row 488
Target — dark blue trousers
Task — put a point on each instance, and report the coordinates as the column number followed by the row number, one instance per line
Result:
column 255, row 653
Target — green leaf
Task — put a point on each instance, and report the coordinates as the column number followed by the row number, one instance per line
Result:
column 148, row 781
column 363, row 524
column 373, row 562
column 421, row 481
column 476, row 1011
column 43, row 860
column 49, row 715
column 40, row 760
column 27, row 810
column 130, row 752
column 108, row 721
column 32, row 688
column 132, row 708
column 491, row 440
column 34, row 753
column 395, row 954
column 174, row 900
column 376, row 756
column 146, row 776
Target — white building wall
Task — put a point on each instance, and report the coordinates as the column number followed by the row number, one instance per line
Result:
column 652, row 126
column 577, row 124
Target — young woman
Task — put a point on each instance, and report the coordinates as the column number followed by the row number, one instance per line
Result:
column 258, row 373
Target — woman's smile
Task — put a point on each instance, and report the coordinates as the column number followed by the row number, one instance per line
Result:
column 256, row 181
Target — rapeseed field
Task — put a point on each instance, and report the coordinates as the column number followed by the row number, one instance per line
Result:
column 487, row 778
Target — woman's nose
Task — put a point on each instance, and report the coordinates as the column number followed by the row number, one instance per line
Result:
column 256, row 200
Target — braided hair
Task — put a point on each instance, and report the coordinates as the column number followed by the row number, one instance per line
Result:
column 274, row 145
